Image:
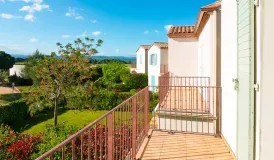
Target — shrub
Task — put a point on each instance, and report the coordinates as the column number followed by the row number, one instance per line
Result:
column 20, row 81
column 17, row 146
column 23, row 147
column 153, row 100
column 104, row 100
column 14, row 112
column 136, row 81
column 53, row 136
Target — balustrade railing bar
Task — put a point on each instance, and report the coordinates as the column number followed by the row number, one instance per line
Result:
column 118, row 134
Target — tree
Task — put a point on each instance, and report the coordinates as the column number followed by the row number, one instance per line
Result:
column 3, row 76
column 57, row 75
column 6, row 60
column 114, row 73
column 31, row 62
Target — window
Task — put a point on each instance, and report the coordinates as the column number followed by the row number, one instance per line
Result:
column 153, row 59
column 141, row 59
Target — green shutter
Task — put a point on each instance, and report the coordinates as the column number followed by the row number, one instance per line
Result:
column 245, row 65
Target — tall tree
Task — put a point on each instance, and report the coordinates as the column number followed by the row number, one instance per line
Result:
column 57, row 75
column 3, row 75
column 6, row 60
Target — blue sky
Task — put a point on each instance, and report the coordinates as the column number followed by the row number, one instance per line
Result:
column 26, row 25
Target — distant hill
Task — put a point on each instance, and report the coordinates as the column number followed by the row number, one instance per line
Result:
column 123, row 58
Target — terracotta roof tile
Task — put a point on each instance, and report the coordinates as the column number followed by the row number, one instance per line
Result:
column 162, row 45
column 181, row 31
column 195, row 30
column 212, row 6
column 146, row 46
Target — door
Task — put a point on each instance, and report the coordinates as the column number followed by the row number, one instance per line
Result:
column 153, row 83
column 245, row 73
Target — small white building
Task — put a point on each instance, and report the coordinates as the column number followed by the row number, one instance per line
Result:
column 157, row 63
column 17, row 70
column 141, row 59
column 196, row 48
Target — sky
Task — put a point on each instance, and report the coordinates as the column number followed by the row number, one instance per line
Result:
column 123, row 25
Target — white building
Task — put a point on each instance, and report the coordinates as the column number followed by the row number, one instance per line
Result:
column 141, row 59
column 17, row 70
column 157, row 63
column 196, row 49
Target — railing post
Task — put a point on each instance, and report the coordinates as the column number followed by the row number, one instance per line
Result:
column 146, row 110
column 110, row 135
column 134, row 127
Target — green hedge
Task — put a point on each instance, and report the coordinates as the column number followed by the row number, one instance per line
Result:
column 13, row 112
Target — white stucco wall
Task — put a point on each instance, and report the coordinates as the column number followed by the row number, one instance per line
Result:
column 267, row 80
column 229, row 71
column 17, row 69
column 205, row 50
column 141, row 67
column 183, row 56
column 154, row 69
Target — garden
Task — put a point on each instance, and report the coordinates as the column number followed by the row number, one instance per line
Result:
column 67, row 92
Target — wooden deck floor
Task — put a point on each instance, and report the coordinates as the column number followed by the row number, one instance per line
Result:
column 180, row 146
column 186, row 99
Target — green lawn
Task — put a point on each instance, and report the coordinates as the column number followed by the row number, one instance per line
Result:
column 23, row 88
column 75, row 118
column 7, row 98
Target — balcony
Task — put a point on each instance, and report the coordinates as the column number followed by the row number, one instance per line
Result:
column 163, row 68
column 184, row 125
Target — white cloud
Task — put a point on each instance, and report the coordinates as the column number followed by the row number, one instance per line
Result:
column 35, row 7
column 29, row 17
column 117, row 50
column 146, row 32
column 9, row 16
column 96, row 33
column 167, row 27
column 33, row 40
column 50, row 10
column 79, row 18
column 2, row 1
column 156, row 31
column 27, row 1
column 72, row 12
column 65, row 36
column 93, row 21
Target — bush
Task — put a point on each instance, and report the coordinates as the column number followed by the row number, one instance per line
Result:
column 53, row 136
column 136, row 81
column 17, row 146
column 13, row 112
column 20, row 81
column 153, row 100
column 104, row 100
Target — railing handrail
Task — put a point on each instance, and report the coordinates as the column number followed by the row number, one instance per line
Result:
column 75, row 135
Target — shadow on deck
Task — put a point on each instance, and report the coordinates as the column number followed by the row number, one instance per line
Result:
column 179, row 146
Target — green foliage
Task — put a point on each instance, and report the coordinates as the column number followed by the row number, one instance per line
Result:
column 106, row 61
column 20, row 81
column 17, row 146
column 52, row 136
column 6, row 61
column 3, row 75
column 104, row 100
column 56, row 75
column 114, row 72
column 7, row 98
column 13, row 112
column 31, row 62
column 136, row 81
column 153, row 100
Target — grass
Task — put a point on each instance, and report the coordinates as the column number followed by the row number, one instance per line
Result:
column 75, row 118
column 23, row 88
column 7, row 98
